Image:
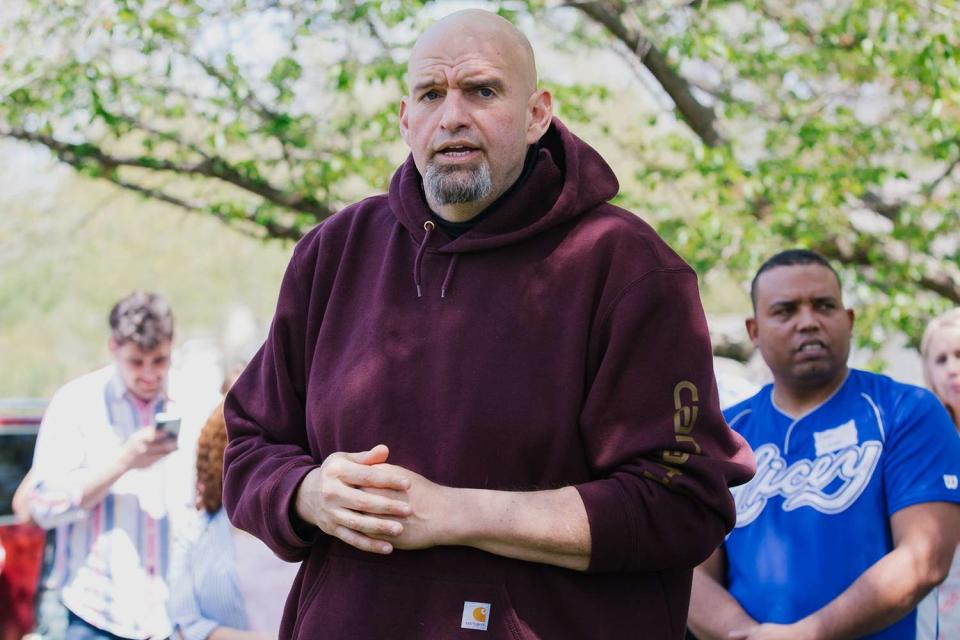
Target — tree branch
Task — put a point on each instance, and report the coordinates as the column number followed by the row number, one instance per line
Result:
column 937, row 277
column 701, row 119
column 82, row 155
column 273, row 230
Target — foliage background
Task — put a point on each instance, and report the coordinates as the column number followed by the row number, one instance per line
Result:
column 198, row 128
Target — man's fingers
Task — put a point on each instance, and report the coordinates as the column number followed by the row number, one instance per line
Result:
column 161, row 448
column 739, row 634
column 362, row 542
column 371, row 503
column 374, row 456
column 365, row 476
column 368, row 525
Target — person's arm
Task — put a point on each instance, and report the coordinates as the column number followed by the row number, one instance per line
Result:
column 20, row 505
column 144, row 447
column 925, row 537
column 538, row 526
column 714, row 613
column 268, row 455
column 663, row 455
column 62, row 494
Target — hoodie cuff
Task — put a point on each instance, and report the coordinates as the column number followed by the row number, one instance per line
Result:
column 613, row 527
column 289, row 528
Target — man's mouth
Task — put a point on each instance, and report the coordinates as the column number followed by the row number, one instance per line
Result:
column 455, row 151
column 812, row 349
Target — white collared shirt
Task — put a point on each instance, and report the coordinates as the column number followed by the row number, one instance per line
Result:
column 111, row 560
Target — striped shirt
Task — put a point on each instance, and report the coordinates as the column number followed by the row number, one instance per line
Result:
column 223, row 577
column 111, row 560
column 205, row 593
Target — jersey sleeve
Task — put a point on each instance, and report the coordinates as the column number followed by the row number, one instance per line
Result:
column 662, row 455
column 921, row 453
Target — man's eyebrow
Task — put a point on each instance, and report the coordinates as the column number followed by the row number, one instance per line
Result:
column 473, row 83
column 426, row 83
column 782, row 303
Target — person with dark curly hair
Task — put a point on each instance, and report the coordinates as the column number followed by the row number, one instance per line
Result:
column 225, row 584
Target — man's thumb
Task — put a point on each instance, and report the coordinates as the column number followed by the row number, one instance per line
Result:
column 374, row 456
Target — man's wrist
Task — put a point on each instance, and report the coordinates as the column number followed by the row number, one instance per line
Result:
column 122, row 465
column 811, row 628
column 302, row 510
column 461, row 512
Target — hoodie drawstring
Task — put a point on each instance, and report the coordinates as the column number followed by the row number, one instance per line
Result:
column 428, row 227
column 449, row 278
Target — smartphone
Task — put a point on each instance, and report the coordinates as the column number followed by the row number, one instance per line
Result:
column 169, row 423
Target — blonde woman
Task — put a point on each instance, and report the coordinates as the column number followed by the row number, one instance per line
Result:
column 941, row 360
column 940, row 349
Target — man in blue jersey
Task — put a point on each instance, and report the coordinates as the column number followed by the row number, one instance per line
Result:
column 851, row 519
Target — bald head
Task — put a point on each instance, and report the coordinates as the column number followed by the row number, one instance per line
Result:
column 476, row 32
column 472, row 110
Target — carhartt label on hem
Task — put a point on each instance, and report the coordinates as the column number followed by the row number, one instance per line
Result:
column 476, row 615
column 950, row 480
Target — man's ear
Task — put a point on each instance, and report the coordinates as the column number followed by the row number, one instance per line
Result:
column 540, row 111
column 852, row 316
column 751, row 324
column 112, row 345
column 404, row 124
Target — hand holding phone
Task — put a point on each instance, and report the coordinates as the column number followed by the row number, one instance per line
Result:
column 169, row 423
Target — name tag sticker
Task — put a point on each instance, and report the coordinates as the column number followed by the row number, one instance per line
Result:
column 837, row 438
column 476, row 615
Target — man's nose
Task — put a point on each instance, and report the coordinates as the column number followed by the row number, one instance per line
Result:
column 807, row 320
column 455, row 114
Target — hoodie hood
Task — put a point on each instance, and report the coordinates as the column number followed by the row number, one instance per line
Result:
column 568, row 179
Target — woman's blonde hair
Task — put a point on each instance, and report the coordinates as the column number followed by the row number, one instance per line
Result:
column 950, row 319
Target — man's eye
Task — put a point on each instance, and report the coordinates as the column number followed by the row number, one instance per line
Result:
column 430, row 95
column 485, row 92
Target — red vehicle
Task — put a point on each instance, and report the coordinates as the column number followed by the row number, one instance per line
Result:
column 21, row 542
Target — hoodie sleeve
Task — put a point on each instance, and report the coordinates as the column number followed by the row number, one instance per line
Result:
column 654, row 433
column 268, row 454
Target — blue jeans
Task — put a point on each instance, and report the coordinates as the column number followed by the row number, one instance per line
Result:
column 80, row 629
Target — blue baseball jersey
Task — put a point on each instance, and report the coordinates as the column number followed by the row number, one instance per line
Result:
column 817, row 513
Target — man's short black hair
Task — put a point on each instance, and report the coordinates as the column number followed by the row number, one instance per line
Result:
column 789, row 258
column 142, row 318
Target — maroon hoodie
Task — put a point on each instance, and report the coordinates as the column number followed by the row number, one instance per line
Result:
column 559, row 342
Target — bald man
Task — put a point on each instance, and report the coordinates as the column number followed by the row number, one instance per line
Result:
column 486, row 401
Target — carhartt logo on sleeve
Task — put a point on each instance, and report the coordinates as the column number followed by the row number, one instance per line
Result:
column 950, row 481
column 476, row 615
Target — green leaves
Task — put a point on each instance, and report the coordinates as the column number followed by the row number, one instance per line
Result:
column 840, row 121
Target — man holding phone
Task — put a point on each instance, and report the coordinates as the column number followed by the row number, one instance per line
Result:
column 100, row 480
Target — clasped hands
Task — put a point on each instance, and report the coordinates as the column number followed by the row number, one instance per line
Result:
column 374, row 506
